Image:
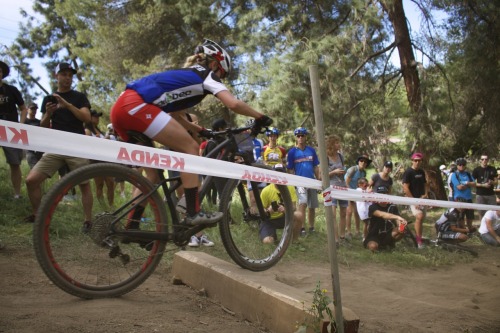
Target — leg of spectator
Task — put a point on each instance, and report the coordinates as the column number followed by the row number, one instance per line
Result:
column 33, row 185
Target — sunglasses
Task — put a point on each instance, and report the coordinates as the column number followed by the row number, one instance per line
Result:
column 300, row 135
column 417, row 160
column 363, row 161
column 461, row 164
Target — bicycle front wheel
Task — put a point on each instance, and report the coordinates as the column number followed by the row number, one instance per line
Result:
column 240, row 230
column 94, row 262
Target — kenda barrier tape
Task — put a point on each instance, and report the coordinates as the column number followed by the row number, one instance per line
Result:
column 58, row 142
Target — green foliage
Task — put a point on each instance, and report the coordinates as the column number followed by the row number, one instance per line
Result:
column 274, row 43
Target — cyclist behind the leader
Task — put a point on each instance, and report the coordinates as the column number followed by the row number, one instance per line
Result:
column 154, row 104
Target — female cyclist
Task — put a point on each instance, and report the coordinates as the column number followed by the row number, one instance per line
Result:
column 154, row 105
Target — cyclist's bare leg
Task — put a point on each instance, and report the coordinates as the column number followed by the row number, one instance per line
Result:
column 175, row 136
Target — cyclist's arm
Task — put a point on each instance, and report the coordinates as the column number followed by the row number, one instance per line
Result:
column 236, row 105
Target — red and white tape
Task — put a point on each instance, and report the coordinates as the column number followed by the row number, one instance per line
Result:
column 58, row 142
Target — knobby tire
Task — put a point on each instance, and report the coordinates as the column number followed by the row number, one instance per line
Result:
column 240, row 234
column 79, row 263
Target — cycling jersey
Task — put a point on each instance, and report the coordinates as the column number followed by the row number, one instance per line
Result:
column 145, row 104
column 178, row 89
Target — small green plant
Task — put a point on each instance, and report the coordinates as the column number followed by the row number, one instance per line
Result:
column 319, row 310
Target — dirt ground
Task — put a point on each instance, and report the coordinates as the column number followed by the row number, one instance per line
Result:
column 461, row 298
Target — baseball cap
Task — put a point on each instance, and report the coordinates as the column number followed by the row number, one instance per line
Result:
column 110, row 126
column 5, row 69
column 388, row 164
column 95, row 113
column 64, row 65
column 382, row 189
column 417, row 156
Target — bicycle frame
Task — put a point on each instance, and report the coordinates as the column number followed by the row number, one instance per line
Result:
column 225, row 150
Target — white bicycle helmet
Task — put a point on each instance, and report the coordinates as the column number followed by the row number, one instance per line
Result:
column 215, row 51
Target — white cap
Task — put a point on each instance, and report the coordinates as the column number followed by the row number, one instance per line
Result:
column 110, row 126
column 442, row 167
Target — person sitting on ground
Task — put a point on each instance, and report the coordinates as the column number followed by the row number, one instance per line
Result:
column 381, row 231
column 490, row 228
column 270, row 197
column 451, row 225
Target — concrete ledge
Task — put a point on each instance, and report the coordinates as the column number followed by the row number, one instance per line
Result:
column 256, row 296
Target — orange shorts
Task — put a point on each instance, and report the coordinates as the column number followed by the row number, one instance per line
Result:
column 131, row 113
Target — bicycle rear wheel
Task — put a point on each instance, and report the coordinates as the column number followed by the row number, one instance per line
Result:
column 96, row 263
column 239, row 230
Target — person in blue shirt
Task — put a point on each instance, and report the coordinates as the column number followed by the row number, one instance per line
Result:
column 155, row 105
column 302, row 160
column 461, row 182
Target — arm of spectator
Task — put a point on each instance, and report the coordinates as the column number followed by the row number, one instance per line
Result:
column 24, row 113
column 406, row 190
column 83, row 114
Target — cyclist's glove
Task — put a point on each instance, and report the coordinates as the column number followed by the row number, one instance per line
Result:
column 260, row 123
column 263, row 121
column 206, row 133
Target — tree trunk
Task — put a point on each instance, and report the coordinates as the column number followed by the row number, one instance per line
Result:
column 396, row 13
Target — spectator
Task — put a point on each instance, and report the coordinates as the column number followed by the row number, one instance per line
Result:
column 68, row 112
column 490, row 228
column 351, row 178
column 486, row 180
column 450, row 226
column 92, row 129
column 272, row 153
column 382, row 178
column 32, row 157
column 302, row 160
column 461, row 182
column 336, row 171
column 150, row 105
column 382, row 233
column 415, row 186
column 218, row 183
column 453, row 168
column 362, row 207
column 10, row 101
column 270, row 197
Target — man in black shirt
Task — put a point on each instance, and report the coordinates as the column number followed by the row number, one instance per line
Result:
column 10, row 101
column 68, row 112
column 486, row 181
column 382, row 233
column 415, row 186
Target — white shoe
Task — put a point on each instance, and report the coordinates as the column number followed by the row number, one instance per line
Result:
column 421, row 246
column 194, row 242
column 205, row 241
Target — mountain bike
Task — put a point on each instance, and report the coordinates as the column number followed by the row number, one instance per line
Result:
column 451, row 246
column 111, row 258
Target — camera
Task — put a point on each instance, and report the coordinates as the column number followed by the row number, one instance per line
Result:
column 275, row 206
column 51, row 99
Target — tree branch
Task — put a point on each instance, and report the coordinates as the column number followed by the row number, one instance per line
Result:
column 376, row 54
